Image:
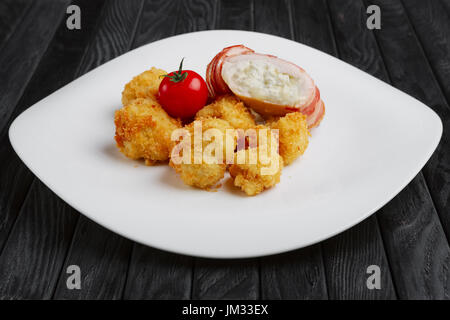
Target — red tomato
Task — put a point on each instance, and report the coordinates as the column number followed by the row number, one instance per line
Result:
column 182, row 93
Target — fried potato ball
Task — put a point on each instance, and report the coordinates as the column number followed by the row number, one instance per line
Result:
column 143, row 130
column 144, row 85
column 228, row 108
column 208, row 172
column 255, row 176
column 258, row 135
column 293, row 135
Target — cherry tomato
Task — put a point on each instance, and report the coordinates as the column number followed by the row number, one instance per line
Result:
column 182, row 93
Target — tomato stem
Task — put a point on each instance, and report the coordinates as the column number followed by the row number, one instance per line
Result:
column 177, row 76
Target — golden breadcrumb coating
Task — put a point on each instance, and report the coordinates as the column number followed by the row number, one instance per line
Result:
column 251, row 177
column 144, row 85
column 293, row 135
column 228, row 108
column 254, row 136
column 204, row 175
column 143, row 130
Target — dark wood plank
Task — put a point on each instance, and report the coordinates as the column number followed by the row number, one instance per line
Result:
column 414, row 238
column 143, row 280
column 15, row 179
column 196, row 15
column 102, row 255
column 156, row 274
column 62, row 57
column 356, row 44
column 228, row 279
column 37, row 246
column 115, row 32
column 17, row 61
column 235, row 14
column 309, row 18
column 296, row 275
column 225, row 279
column 431, row 22
column 417, row 248
column 11, row 14
column 348, row 255
column 274, row 17
column 159, row 20
column 299, row 274
column 446, row 5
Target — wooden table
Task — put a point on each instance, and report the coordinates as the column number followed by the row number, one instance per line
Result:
column 40, row 235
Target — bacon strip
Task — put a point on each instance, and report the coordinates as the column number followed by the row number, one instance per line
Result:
column 314, row 119
column 214, row 81
column 314, row 108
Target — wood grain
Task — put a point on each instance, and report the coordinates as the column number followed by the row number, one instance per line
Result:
column 196, row 15
column 345, row 255
column 158, row 21
column 431, row 23
column 356, row 44
column 230, row 279
column 348, row 255
column 235, row 14
column 274, row 17
column 347, row 258
column 155, row 274
column 165, row 275
column 103, row 259
column 11, row 14
column 418, row 250
column 410, row 223
column 62, row 58
column 17, row 61
column 311, row 19
column 35, row 251
column 15, row 178
column 225, row 279
column 296, row 275
column 115, row 31
column 34, row 259
column 102, row 255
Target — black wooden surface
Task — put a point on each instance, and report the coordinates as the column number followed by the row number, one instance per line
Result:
column 40, row 236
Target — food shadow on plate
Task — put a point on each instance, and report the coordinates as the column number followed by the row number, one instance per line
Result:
column 169, row 177
column 228, row 186
column 111, row 151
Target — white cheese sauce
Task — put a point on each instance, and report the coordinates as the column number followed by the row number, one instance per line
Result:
column 263, row 81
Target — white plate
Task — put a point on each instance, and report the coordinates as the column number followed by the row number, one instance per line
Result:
column 373, row 141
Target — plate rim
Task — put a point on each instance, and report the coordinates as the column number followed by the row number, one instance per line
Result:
column 219, row 255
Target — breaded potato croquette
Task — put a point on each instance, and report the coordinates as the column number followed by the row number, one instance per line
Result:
column 143, row 131
column 255, row 139
column 254, row 177
column 144, row 85
column 293, row 135
column 206, row 174
column 228, row 108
